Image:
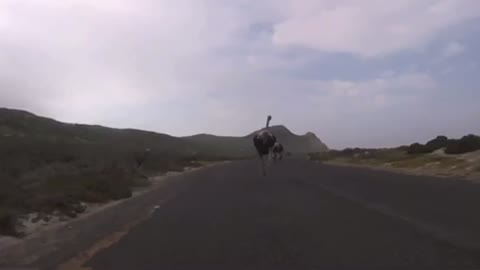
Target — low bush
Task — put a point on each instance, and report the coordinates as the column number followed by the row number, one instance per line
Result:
column 432, row 145
column 466, row 144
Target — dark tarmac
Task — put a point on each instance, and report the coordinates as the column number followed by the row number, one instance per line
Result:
column 303, row 215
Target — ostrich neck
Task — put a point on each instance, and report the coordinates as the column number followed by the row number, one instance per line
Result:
column 268, row 123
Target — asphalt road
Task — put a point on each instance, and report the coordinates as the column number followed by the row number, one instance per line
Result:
column 304, row 215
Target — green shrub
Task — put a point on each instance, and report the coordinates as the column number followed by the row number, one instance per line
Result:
column 417, row 148
column 432, row 145
column 437, row 143
column 466, row 144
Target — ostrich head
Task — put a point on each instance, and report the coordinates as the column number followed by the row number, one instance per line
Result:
column 269, row 118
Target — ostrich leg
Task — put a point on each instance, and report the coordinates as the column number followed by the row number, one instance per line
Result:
column 262, row 162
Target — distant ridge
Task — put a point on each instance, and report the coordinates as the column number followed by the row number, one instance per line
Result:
column 22, row 123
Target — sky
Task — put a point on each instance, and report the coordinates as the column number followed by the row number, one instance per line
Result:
column 369, row 73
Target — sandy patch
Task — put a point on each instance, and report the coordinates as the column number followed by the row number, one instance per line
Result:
column 427, row 170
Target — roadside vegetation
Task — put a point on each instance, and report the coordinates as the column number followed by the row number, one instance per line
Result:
column 439, row 156
column 53, row 168
column 58, row 176
column 48, row 167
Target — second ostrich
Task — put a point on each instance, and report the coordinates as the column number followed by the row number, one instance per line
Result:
column 277, row 151
column 264, row 141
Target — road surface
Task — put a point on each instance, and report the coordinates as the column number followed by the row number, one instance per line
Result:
column 303, row 215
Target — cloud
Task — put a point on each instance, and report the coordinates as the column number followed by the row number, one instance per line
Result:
column 371, row 28
column 375, row 94
column 110, row 53
column 191, row 66
column 452, row 49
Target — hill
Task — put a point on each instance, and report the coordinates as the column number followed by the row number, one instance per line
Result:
column 242, row 146
column 296, row 143
column 46, row 165
column 20, row 129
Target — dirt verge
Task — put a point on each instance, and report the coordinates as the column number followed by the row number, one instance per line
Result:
column 65, row 239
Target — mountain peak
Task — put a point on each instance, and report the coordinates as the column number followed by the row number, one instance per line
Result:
column 296, row 143
column 280, row 128
column 310, row 134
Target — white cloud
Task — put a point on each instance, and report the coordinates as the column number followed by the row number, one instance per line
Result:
column 100, row 53
column 297, row 101
column 156, row 64
column 373, row 94
column 413, row 82
column 370, row 28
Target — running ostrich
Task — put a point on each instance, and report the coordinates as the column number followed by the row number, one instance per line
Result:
column 264, row 141
column 277, row 151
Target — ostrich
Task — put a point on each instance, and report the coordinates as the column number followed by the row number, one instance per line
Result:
column 264, row 141
column 277, row 151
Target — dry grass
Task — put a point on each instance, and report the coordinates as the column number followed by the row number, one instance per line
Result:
column 437, row 163
column 427, row 161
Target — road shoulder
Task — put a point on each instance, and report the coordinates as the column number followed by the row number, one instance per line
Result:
column 58, row 243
